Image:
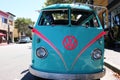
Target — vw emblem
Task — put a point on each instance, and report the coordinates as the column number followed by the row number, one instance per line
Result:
column 70, row 42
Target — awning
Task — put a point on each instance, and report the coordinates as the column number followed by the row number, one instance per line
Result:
column 1, row 34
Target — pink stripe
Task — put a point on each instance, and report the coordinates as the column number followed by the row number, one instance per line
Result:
column 87, row 46
column 51, row 44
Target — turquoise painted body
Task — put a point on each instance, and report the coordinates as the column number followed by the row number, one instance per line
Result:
column 56, row 33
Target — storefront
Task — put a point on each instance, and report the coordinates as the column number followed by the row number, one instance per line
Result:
column 114, row 13
column 3, row 36
column 114, row 19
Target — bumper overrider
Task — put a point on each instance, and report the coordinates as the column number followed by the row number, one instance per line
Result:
column 58, row 76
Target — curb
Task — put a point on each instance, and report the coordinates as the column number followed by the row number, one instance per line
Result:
column 112, row 67
column 3, row 44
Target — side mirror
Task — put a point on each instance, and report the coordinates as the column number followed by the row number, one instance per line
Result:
column 30, row 27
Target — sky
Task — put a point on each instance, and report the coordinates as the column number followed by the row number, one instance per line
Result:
column 22, row 8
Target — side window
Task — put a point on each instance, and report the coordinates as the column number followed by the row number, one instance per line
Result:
column 92, row 22
column 46, row 19
column 95, row 22
column 83, row 18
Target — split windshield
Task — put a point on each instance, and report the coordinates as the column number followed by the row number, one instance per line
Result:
column 77, row 17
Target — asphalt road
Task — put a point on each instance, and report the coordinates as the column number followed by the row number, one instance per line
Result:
column 16, row 58
column 14, row 61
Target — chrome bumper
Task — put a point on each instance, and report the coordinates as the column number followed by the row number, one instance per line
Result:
column 55, row 76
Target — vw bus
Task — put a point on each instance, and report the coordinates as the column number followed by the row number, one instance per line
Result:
column 68, row 43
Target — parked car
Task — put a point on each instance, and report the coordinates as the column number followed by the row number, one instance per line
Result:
column 24, row 40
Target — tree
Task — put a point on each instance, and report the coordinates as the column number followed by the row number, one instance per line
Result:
column 22, row 25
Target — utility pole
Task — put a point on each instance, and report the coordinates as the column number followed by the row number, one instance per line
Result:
column 8, row 40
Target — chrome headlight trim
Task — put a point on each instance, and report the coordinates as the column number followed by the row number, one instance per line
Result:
column 41, row 52
column 96, row 54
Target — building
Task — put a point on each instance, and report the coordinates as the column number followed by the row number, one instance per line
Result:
column 114, row 12
column 113, row 18
column 6, row 27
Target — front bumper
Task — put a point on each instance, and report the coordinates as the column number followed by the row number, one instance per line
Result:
column 58, row 76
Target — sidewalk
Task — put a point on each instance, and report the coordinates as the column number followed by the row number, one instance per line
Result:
column 3, row 44
column 112, row 59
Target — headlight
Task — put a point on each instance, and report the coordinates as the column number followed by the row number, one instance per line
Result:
column 41, row 52
column 96, row 54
